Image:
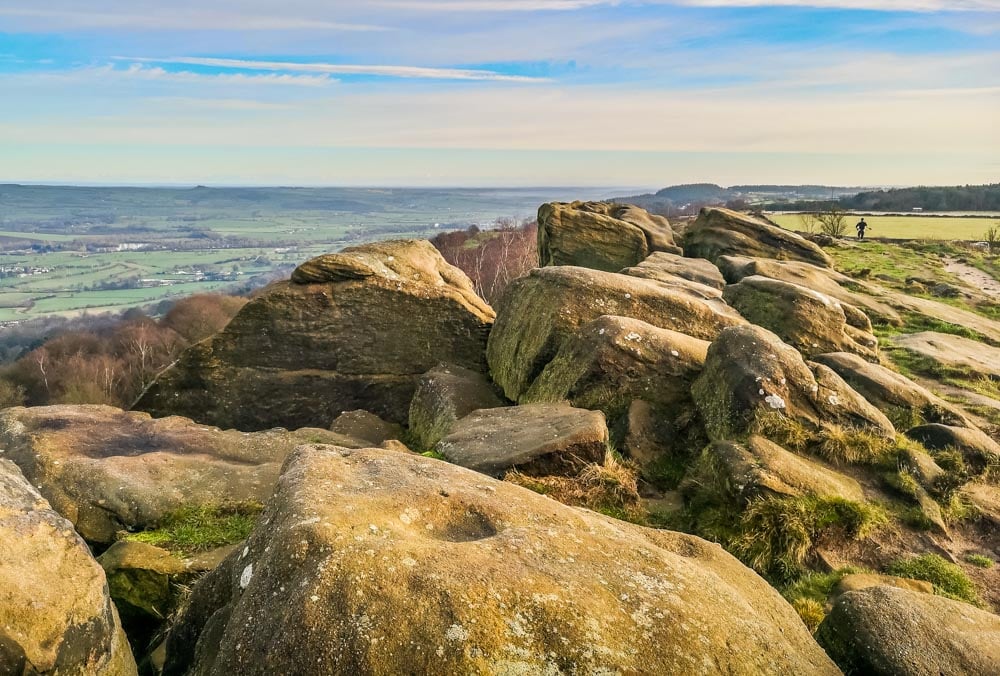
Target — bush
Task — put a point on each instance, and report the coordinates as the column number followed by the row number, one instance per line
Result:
column 948, row 579
column 992, row 238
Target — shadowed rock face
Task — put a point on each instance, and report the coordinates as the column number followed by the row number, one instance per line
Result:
column 350, row 331
column 539, row 311
column 600, row 235
column 887, row 631
column 720, row 232
column 107, row 470
column 445, row 394
column 370, row 562
column 55, row 612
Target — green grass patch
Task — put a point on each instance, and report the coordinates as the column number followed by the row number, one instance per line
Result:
column 979, row 560
column 948, row 579
column 198, row 528
column 434, row 454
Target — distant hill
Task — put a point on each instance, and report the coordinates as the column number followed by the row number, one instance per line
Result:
column 688, row 198
column 925, row 198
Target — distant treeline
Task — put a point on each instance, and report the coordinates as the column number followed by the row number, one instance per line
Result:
column 929, row 198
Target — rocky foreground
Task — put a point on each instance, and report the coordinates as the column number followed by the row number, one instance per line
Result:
column 363, row 473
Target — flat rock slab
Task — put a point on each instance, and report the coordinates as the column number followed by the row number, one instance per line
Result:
column 668, row 267
column 954, row 351
column 56, row 616
column 368, row 562
column 887, row 631
column 108, row 470
column 535, row 438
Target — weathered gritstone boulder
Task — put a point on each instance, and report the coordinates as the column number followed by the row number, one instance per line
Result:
column 723, row 232
column 750, row 373
column 986, row 499
column 953, row 351
column 445, row 394
column 761, row 468
column 600, row 235
column 887, row 631
column 820, row 279
column 612, row 361
column 107, row 470
column 808, row 320
column 353, row 330
column 895, row 395
column 536, row 439
column 978, row 450
column 371, row 563
column 55, row 613
column 539, row 311
column 857, row 581
column 366, row 427
column 667, row 267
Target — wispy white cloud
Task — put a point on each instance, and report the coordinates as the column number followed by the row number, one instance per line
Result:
column 569, row 5
column 413, row 72
column 138, row 71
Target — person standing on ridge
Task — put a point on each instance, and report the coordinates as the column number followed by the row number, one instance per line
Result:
column 861, row 226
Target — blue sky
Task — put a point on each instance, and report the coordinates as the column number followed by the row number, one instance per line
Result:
column 500, row 92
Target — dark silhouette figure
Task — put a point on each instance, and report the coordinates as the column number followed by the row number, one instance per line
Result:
column 861, row 226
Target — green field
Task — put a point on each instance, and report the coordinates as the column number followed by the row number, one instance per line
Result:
column 909, row 227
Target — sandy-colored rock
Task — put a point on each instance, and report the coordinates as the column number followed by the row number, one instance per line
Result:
column 534, row 438
column 108, row 470
column 749, row 372
column 539, row 311
column 986, row 499
column 600, row 235
column 885, row 631
column 369, row 563
column 366, row 427
column 761, row 468
column 979, row 450
column 56, row 616
column 612, row 361
column 445, row 394
column 953, row 351
column 857, row 581
column 668, row 268
column 723, row 232
column 331, row 340
column 897, row 396
column 808, row 320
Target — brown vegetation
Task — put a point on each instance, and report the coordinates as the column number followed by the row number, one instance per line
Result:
column 492, row 258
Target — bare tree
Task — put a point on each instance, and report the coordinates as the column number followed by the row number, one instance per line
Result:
column 832, row 222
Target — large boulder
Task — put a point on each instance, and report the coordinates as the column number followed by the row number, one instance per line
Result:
column 368, row 562
column 808, row 320
column 613, row 362
column 445, row 394
column 56, row 616
column 895, row 395
column 353, row 330
column 108, row 470
column 723, row 232
column 367, row 428
column 886, row 631
column 536, row 438
column 667, row 267
column 750, row 373
column 600, row 235
column 761, row 468
column 539, row 311
column 828, row 282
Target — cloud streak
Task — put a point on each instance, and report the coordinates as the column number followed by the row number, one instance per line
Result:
column 406, row 72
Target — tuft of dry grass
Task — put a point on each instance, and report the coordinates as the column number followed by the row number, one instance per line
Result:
column 837, row 444
column 812, row 612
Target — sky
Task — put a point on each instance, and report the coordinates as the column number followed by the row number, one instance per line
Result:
column 611, row 93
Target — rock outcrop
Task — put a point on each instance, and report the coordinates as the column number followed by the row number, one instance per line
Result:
column 367, row 428
column 897, row 396
column 352, row 330
column 750, row 373
column 445, row 394
column 886, row 631
column 669, row 268
column 371, row 562
column 600, row 235
column 535, row 438
column 539, row 311
column 805, row 319
column 56, row 616
column 108, row 470
column 953, row 352
column 721, row 232
column 979, row 450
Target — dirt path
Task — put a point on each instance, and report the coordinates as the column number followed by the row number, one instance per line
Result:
column 974, row 277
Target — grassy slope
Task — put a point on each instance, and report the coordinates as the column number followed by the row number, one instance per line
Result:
column 909, row 227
